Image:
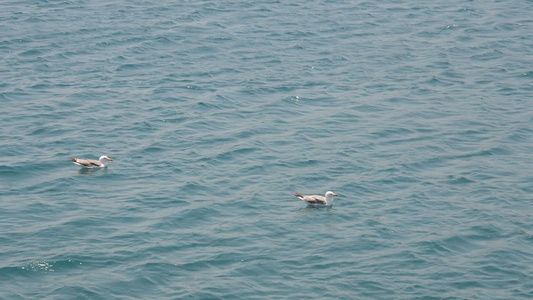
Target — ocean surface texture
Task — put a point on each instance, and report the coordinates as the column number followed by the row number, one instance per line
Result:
column 419, row 115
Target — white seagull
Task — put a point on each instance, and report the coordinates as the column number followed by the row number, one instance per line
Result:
column 91, row 163
column 316, row 199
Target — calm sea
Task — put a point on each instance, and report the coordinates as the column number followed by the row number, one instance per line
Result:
column 419, row 115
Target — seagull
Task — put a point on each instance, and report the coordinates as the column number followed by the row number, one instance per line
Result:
column 317, row 200
column 91, row 163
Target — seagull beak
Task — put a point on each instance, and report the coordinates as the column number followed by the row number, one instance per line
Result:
column 110, row 159
column 335, row 195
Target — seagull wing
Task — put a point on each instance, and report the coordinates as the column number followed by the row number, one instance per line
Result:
column 313, row 199
column 88, row 163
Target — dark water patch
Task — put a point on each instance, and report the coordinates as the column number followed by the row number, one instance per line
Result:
column 235, row 154
column 486, row 56
column 461, row 180
column 7, row 171
column 484, row 232
column 133, row 67
column 161, row 40
column 31, row 53
column 528, row 74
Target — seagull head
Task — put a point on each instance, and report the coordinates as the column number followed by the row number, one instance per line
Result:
column 105, row 158
column 329, row 197
column 330, row 194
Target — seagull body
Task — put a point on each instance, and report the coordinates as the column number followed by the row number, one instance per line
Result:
column 91, row 163
column 326, row 200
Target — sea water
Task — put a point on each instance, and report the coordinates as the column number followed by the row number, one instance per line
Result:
column 418, row 115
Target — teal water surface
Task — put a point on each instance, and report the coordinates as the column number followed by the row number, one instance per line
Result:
column 215, row 112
